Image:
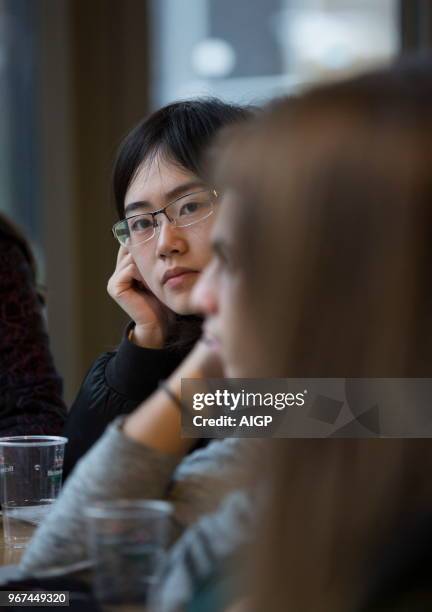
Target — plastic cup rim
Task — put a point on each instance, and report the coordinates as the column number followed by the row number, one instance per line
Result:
column 126, row 508
column 20, row 441
column 11, row 504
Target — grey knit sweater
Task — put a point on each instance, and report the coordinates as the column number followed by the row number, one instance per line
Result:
column 118, row 467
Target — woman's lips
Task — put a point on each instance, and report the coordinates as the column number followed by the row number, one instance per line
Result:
column 180, row 280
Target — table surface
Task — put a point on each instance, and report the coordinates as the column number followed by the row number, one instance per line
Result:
column 8, row 556
column 12, row 556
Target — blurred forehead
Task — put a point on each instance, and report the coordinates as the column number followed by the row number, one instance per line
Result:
column 224, row 228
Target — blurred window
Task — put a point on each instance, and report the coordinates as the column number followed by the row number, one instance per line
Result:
column 19, row 169
column 252, row 50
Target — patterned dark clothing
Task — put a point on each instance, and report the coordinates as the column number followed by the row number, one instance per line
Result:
column 30, row 388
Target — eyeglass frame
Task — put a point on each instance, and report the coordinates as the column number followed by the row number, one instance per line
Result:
column 162, row 210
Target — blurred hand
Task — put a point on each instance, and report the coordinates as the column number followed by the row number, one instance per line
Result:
column 202, row 362
column 157, row 423
column 127, row 287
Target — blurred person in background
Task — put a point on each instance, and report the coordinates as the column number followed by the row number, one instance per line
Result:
column 165, row 206
column 30, row 387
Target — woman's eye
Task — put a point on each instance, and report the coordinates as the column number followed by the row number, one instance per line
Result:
column 139, row 225
column 190, row 208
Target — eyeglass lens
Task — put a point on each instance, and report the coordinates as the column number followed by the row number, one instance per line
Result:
column 183, row 212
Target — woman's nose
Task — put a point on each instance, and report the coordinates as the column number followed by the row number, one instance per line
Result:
column 204, row 294
column 170, row 240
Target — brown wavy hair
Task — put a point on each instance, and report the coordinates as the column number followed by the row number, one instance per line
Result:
column 334, row 234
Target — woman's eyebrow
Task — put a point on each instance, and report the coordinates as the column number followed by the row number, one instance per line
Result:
column 184, row 188
column 170, row 195
column 133, row 206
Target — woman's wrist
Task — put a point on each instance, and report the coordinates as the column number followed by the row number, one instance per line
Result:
column 157, row 424
column 147, row 336
column 201, row 362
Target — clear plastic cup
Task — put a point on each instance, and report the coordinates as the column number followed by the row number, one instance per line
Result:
column 127, row 541
column 31, row 470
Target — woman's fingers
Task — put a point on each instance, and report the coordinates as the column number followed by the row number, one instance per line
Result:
column 123, row 260
column 122, row 280
column 122, row 253
column 127, row 287
column 127, row 263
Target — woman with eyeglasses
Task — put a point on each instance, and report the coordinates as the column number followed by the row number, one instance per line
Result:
column 166, row 211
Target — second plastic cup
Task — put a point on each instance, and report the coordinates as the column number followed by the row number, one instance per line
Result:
column 31, row 475
column 127, row 542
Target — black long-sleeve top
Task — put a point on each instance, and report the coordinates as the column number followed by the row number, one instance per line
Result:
column 116, row 384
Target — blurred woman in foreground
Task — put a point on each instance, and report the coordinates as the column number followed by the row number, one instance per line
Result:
column 323, row 269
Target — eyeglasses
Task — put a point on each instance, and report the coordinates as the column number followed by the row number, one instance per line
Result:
column 183, row 212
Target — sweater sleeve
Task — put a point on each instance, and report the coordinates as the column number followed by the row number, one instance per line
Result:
column 118, row 467
column 206, row 549
column 115, row 385
column 30, row 388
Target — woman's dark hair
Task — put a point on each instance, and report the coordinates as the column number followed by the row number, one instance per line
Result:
column 181, row 132
column 339, row 182
column 9, row 231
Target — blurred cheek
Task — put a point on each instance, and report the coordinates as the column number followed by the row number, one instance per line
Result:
column 198, row 242
column 242, row 352
column 231, row 322
column 203, row 297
